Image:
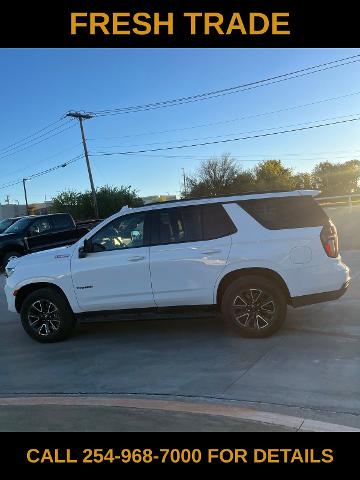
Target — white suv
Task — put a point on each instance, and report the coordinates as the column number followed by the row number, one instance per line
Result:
column 248, row 256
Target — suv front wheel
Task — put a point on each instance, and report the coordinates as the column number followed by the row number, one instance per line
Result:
column 254, row 306
column 46, row 316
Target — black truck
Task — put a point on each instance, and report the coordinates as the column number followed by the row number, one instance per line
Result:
column 40, row 232
column 7, row 222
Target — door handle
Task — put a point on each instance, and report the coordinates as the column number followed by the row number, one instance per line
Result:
column 136, row 258
column 209, row 252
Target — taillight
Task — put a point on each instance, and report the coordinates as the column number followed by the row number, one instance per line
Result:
column 329, row 239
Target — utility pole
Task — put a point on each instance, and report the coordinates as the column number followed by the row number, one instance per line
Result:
column 25, row 192
column 81, row 117
column 184, row 180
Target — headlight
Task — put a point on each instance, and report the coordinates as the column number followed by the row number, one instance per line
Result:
column 9, row 271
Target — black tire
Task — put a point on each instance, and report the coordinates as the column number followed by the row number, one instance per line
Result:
column 254, row 306
column 56, row 319
column 7, row 257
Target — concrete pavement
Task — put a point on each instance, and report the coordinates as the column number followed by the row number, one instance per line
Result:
column 310, row 369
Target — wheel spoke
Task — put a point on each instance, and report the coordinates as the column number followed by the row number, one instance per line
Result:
column 52, row 323
column 239, row 299
column 262, row 320
column 268, row 306
column 37, row 319
column 43, row 329
column 37, row 306
column 247, row 318
column 255, row 294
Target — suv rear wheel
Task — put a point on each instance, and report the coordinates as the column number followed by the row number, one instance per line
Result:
column 46, row 316
column 254, row 306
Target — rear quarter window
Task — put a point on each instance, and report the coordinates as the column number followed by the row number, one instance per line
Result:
column 279, row 213
column 62, row 222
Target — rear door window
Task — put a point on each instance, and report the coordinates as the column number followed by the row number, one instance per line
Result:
column 216, row 222
column 190, row 224
column 279, row 213
column 177, row 225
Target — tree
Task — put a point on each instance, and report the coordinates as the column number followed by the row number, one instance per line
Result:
column 337, row 178
column 217, row 176
column 110, row 200
column 304, row 180
column 214, row 177
column 68, row 201
column 272, row 175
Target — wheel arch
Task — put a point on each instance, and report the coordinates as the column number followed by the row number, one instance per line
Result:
column 260, row 271
column 11, row 248
column 24, row 291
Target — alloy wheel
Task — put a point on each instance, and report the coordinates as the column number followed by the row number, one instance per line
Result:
column 44, row 317
column 254, row 308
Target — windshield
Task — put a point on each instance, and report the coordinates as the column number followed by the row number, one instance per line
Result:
column 4, row 224
column 19, row 226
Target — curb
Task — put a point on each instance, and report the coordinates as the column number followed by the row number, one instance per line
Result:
column 299, row 424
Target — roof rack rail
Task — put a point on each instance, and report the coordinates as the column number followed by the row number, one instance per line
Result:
column 249, row 192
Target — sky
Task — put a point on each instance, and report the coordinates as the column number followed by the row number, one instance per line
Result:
column 38, row 87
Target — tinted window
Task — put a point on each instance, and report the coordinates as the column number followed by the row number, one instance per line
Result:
column 176, row 225
column 192, row 223
column 4, row 224
column 216, row 222
column 285, row 212
column 62, row 222
column 124, row 232
column 40, row 226
column 20, row 226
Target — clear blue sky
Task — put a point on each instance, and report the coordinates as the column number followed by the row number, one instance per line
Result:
column 38, row 86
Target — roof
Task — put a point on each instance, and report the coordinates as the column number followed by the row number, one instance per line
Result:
column 228, row 198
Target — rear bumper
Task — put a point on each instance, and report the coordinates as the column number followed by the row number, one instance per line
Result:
column 319, row 297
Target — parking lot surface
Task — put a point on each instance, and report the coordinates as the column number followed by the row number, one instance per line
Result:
column 311, row 368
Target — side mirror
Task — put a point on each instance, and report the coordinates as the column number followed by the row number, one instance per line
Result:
column 85, row 249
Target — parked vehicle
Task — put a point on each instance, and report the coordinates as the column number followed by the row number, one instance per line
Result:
column 7, row 222
column 247, row 256
column 38, row 232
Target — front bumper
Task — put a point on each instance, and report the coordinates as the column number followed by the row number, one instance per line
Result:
column 319, row 297
column 10, row 298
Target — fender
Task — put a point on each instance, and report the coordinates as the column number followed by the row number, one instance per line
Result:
column 57, row 282
column 242, row 265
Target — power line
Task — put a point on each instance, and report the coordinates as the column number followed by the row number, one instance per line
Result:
column 77, row 158
column 233, row 133
column 33, row 134
column 231, row 90
column 41, row 161
column 43, row 172
column 232, row 120
column 9, row 154
column 22, row 144
column 245, row 158
column 228, row 140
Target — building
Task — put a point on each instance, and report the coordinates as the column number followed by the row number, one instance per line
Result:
column 158, row 198
column 10, row 210
column 40, row 208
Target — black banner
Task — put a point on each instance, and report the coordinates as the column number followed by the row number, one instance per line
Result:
column 149, row 452
column 179, row 23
